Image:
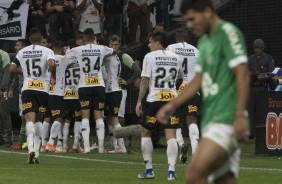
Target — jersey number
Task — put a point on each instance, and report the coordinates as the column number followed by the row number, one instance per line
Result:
column 185, row 66
column 161, row 80
column 87, row 67
column 34, row 68
column 75, row 77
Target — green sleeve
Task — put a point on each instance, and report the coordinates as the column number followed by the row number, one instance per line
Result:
column 127, row 60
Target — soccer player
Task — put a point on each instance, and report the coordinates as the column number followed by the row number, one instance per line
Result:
column 189, row 55
column 222, row 74
column 34, row 61
column 91, row 86
column 160, row 71
column 55, row 100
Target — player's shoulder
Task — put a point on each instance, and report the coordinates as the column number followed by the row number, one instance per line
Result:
column 229, row 30
column 59, row 57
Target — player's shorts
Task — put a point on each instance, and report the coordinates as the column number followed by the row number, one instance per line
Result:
column 57, row 106
column 122, row 104
column 224, row 136
column 92, row 98
column 192, row 106
column 112, row 103
column 149, row 119
column 20, row 105
column 72, row 109
column 48, row 112
column 34, row 101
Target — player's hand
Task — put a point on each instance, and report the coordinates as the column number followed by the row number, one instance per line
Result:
column 10, row 94
column 40, row 13
column 138, row 109
column 240, row 127
column 52, row 82
column 122, row 82
column 165, row 113
column 59, row 8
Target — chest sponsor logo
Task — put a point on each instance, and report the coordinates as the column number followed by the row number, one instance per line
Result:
column 174, row 121
column 192, row 108
column 165, row 96
column 92, row 81
column 27, row 106
column 36, row 84
column 70, row 93
column 150, row 119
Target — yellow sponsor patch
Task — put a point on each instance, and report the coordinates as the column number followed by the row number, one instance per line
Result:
column 42, row 109
column 36, row 84
column 152, row 120
column 27, row 106
column 181, row 87
column 174, row 120
column 51, row 89
column 84, row 103
column 77, row 113
column 165, row 96
column 192, row 108
column 116, row 110
column 101, row 105
column 92, row 81
column 70, row 93
column 55, row 112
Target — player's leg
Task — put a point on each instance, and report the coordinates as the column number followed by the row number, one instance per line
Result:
column 22, row 137
column 66, row 135
column 122, row 106
column 59, row 146
column 228, row 178
column 77, row 125
column 194, row 133
column 46, row 129
column 38, row 133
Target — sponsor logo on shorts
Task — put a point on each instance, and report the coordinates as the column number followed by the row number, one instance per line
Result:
column 92, row 81
column 152, row 120
column 42, row 109
column 165, row 96
column 101, row 105
column 77, row 113
column 116, row 110
column 70, row 93
column 55, row 112
column 27, row 106
column 192, row 108
column 84, row 103
column 174, row 121
column 36, row 84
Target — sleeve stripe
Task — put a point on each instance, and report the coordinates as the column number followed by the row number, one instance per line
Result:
column 237, row 61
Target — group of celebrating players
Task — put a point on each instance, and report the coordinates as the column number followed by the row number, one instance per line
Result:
column 62, row 84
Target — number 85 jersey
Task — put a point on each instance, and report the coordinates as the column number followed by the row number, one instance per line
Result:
column 34, row 63
column 163, row 68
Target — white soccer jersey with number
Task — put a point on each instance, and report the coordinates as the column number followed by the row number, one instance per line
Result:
column 113, row 69
column 61, row 65
column 189, row 56
column 71, row 81
column 34, row 63
column 162, row 67
column 90, row 58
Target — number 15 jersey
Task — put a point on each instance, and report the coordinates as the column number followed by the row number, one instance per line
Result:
column 90, row 58
column 34, row 63
column 162, row 67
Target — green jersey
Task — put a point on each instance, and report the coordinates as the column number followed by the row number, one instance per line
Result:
column 220, row 52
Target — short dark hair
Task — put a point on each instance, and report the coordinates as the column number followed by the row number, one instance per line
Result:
column 160, row 37
column 114, row 38
column 89, row 34
column 24, row 42
column 35, row 35
column 181, row 35
column 48, row 38
column 197, row 5
column 59, row 45
column 79, row 36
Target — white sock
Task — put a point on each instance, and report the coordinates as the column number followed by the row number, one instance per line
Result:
column 147, row 151
column 100, row 130
column 55, row 129
column 120, row 141
column 30, row 131
column 66, row 135
column 113, row 140
column 60, row 139
column 77, row 125
column 85, row 130
column 179, row 137
column 194, row 136
column 172, row 151
column 45, row 132
column 37, row 138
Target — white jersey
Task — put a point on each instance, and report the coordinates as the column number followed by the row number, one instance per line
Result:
column 113, row 69
column 162, row 67
column 34, row 63
column 61, row 65
column 189, row 56
column 90, row 58
column 71, row 81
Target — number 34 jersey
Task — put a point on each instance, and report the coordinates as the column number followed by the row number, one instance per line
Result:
column 90, row 58
column 34, row 63
column 162, row 67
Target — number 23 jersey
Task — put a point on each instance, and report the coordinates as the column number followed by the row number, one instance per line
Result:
column 162, row 67
column 90, row 58
column 34, row 63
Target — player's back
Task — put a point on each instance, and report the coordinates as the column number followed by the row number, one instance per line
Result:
column 162, row 68
column 189, row 56
column 72, row 81
column 34, row 63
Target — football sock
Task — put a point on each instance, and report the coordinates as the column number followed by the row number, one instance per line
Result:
column 120, row 141
column 22, row 132
column 66, row 135
column 37, row 138
column 179, row 137
column 172, row 151
column 77, row 125
column 147, row 151
column 100, row 130
column 45, row 132
column 55, row 129
column 113, row 140
column 30, row 130
column 194, row 136
column 85, row 130
column 60, row 139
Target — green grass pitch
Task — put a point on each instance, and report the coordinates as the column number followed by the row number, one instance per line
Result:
column 94, row 168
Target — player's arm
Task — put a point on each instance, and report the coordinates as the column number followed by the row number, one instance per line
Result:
column 52, row 64
column 14, row 67
column 136, row 72
column 144, row 86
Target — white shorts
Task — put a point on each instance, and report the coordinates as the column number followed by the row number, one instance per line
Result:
column 224, row 136
column 20, row 105
column 123, row 103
